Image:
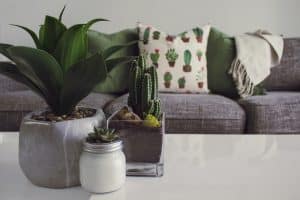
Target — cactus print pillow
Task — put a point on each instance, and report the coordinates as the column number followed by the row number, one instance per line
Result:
column 180, row 60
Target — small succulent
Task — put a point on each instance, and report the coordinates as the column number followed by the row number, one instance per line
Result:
column 102, row 135
column 151, row 121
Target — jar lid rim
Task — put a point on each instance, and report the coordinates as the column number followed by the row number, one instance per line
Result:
column 102, row 147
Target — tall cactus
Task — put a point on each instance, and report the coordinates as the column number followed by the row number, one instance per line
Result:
column 143, row 95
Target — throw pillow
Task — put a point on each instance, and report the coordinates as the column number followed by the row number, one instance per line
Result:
column 117, row 80
column 221, row 52
column 180, row 60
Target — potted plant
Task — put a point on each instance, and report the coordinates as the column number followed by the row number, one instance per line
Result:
column 199, row 78
column 184, row 38
column 102, row 159
column 199, row 34
column 141, row 125
column 154, row 57
column 167, row 78
column 199, row 55
column 171, row 56
column 187, row 61
column 156, row 35
column 170, row 38
column 181, row 82
column 146, row 35
column 61, row 71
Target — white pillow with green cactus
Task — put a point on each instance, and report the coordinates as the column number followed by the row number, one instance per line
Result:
column 177, row 58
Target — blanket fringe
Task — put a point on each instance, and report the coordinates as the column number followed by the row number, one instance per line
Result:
column 241, row 79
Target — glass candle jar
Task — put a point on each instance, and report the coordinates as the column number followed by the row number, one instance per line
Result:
column 102, row 167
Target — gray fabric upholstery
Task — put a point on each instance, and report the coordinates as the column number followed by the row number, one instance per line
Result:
column 15, row 105
column 275, row 113
column 286, row 76
column 9, row 85
column 194, row 113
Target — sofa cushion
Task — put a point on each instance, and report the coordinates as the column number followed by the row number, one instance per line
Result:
column 194, row 113
column 275, row 113
column 15, row 105
column 8, row 85
column 286, row 76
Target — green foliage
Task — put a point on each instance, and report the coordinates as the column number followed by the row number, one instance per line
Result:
column 187, row 57
column 168, row 77
column 155, row 56
column 198, row 32
column 181, row 81
column 171, row 55
column 146, row 35
column 143, row 95
column 102, row 135
column 59, row 69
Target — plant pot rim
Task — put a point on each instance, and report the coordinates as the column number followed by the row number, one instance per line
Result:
column 28, row 117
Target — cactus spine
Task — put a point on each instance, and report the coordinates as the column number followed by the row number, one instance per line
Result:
column 143, row 97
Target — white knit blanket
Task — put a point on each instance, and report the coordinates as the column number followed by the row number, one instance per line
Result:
column 256, row 53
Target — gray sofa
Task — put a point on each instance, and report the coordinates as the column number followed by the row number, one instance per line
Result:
column 277, row 112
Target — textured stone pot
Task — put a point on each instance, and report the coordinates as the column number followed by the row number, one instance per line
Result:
column 49, row 152
column 143, row 146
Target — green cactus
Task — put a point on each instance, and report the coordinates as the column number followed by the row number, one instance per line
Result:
column 143, row 87
column 184, row 38
column 154, row 57
column 171, row 56
column 168, row 77
column 187, row 61
column 146, row 35
column 181, row 82
column 156, row 35
column 199, row 54
column 198, row 33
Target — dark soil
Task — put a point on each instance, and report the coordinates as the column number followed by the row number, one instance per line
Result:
column 78, row 113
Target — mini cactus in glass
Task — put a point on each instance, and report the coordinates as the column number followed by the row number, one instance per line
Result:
column 199, row 34
column 154, row 57
column 184, row 37
column 143, row 94
column 181, row 82
column 168, row 77
column 187, row 61
column 171, row 56
column 156, row 35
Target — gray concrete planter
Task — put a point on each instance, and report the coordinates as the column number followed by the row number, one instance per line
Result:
column 143, row 146
column 49, row 151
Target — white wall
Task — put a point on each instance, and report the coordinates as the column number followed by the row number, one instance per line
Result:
column 231, row 16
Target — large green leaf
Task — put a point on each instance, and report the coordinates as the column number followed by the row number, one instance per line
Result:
column 80, row 80
column 61, row 13
column 50, row 33
column 3, row 49
column 113, row 62
column 111, row 50
column 10, row 70
column 73, row 45
column 41, row 68
column 32, row 34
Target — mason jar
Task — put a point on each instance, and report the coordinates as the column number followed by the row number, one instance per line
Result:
column 102, row 167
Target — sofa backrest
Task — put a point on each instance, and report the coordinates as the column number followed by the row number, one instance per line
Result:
column 286, row 76
column 9, row 85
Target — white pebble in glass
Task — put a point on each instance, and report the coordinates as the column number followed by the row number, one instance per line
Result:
column 102, row 167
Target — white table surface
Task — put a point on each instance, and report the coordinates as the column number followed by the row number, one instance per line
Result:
column 223, row 167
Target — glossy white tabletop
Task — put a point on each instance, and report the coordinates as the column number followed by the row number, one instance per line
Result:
column 226, row 167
